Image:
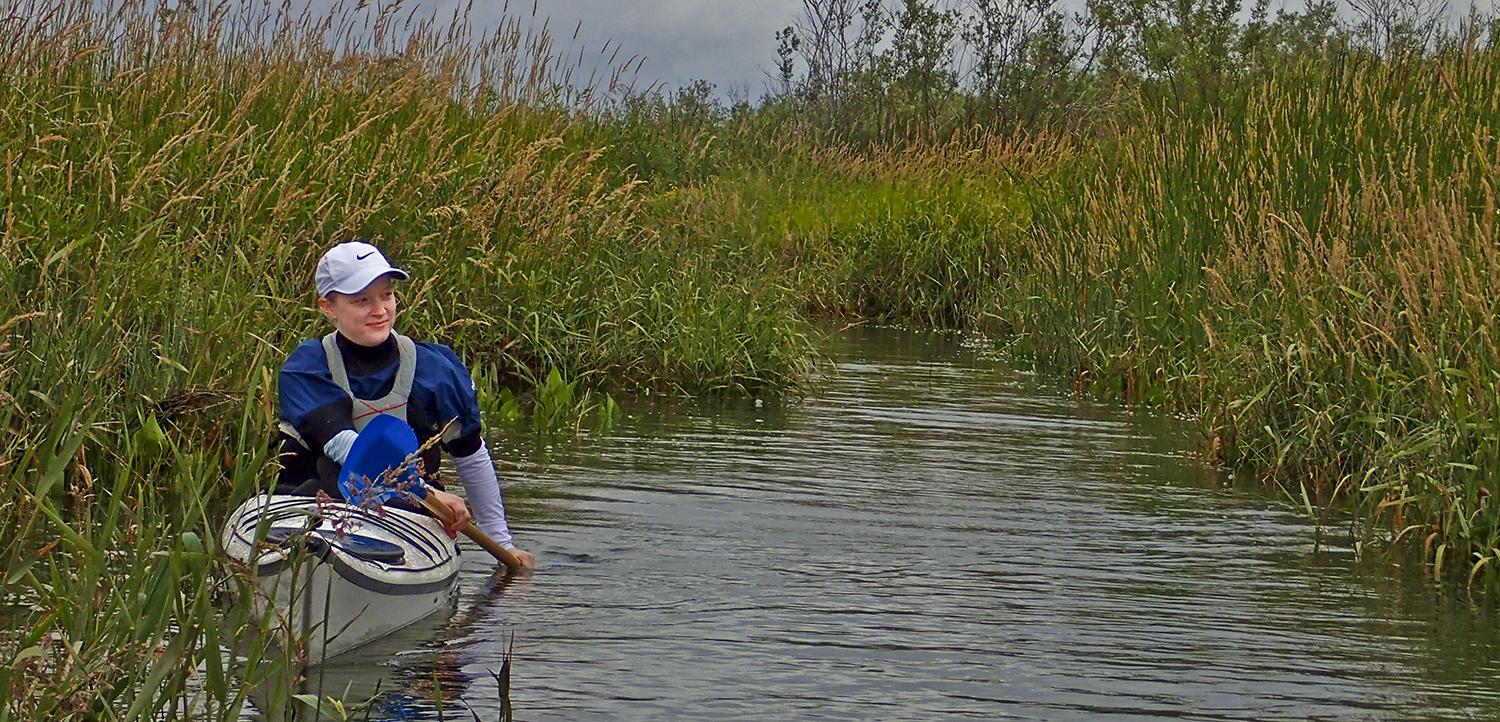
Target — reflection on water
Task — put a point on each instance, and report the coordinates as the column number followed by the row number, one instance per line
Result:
column 933, row 536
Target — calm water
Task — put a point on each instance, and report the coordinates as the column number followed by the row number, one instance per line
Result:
column 933, row 536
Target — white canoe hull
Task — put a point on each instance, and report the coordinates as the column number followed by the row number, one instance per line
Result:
column 335, row 591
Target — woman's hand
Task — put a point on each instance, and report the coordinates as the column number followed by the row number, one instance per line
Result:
column 526, row 558
column 458, row 512
column 458, row 518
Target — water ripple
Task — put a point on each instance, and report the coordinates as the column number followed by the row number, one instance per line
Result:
column 937, row 537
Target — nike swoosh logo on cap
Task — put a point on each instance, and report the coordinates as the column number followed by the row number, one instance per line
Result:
column 367, row 255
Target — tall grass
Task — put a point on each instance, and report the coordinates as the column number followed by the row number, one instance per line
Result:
column 220, row 176
column 113, row 590
column 1312, row 270
column 909, row 234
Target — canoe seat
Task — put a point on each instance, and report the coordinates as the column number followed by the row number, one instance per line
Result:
column 368, row 548
column 359, row 546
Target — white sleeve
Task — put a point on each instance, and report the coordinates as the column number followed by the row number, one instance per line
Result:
column 482, row 487
column 338, row 447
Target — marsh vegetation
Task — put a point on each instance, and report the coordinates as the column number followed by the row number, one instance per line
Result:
column 1282, row 226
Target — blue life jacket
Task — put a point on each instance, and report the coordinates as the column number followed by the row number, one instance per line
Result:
column 332, row 384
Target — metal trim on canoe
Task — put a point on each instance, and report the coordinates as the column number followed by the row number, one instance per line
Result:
column 421, row 540
column 362, row 580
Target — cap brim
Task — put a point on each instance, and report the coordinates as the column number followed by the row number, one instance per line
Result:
column 361, row 281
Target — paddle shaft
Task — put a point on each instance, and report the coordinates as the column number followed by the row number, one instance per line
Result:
column 441, row 511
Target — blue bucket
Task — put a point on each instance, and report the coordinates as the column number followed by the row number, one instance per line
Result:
column 384, row 443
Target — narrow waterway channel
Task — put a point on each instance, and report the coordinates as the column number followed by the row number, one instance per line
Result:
column 932, row 536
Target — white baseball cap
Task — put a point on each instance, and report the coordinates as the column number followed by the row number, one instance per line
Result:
column 349, row 267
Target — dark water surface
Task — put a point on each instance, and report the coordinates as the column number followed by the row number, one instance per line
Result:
column 933, row 536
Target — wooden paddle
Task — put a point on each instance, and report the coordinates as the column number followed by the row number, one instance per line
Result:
column 441, row 511
column 385, row 449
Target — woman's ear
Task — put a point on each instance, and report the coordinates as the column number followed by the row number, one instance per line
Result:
column 326, row 306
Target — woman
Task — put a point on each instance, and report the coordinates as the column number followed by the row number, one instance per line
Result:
column 330, row 388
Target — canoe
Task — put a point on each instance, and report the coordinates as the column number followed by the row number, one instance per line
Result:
column 336, row 576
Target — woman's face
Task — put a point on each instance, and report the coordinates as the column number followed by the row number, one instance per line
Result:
column 365, row 317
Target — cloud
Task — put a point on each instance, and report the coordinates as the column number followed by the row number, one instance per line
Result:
column 726, row 42
column 729, row 44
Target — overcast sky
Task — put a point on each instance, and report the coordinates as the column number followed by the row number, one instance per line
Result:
column 730, row 43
